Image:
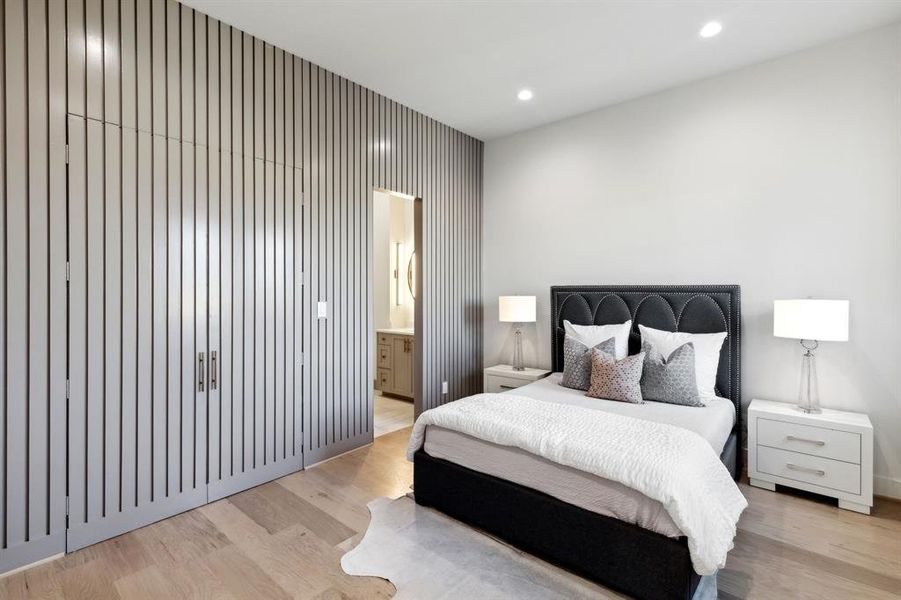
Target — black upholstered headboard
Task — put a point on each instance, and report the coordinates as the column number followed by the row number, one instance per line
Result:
column 689, row 308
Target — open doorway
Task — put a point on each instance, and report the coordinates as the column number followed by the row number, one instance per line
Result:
column 395, row 279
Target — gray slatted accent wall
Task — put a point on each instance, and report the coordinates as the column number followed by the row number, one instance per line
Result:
column 32, row 281
column 174, row 107
column 353, row 141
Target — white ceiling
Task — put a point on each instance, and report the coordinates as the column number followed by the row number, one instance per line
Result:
column 462, row 62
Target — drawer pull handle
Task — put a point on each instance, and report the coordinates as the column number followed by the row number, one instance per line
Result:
column 506, row 387
column 792, row 438
column 818, row 472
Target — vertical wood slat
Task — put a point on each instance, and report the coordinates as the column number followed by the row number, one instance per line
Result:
column 95, row 325
column 110, row 90
column 57, row 232
column 77, row 455
column 129, row 231
column 108, row 239
column 145, row 335
column 159, row 298
column 210, row 45
column 16, row 255
column 94, row 67
column 38, row 247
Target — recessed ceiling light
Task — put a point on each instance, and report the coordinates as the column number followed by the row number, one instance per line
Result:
column 710, row 29
column 525, row 95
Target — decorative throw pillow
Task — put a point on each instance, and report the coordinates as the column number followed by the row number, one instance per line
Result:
column 592, row 335
column 671, row 380
column 577, row 361
column 707, row 348
column 613, row 379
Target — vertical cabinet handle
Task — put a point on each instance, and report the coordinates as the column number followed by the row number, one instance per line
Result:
column 200, row 372
column 213, row 370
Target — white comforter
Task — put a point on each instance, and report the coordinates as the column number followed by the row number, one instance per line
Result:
column 672, row 465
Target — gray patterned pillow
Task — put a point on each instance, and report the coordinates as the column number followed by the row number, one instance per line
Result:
column 671, row 380
column 577, row 361
column 613, row 379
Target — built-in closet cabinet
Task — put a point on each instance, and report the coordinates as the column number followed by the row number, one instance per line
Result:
column 185, row 213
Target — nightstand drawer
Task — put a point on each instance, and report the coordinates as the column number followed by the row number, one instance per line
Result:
column 816, row 441
column 496, row 383
column 831, row 474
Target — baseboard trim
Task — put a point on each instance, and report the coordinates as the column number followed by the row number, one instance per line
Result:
column 30, row 554
column 36, row 563
column 312, row 458
column 887, row 487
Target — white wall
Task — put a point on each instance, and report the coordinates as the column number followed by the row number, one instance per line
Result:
column 402, row 313
column 392, row 222
column 784, row 177
column 381, row 260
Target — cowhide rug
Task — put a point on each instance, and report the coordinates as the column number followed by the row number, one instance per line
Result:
column 426, row 554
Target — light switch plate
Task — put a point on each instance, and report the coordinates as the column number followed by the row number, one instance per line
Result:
column 322, row 310
column 443, row 387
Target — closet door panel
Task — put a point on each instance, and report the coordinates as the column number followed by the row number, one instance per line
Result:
column 254, row 334
column 137, row 427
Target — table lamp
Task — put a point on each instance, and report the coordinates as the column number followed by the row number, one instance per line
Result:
column 517, row 310
column 810, row 321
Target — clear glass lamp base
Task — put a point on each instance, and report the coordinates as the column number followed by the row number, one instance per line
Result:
column 808, row 389
column 517, row 350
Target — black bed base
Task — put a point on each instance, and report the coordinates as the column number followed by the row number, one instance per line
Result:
column 618, row 555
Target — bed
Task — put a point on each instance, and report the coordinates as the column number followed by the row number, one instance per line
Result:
column 592, row 526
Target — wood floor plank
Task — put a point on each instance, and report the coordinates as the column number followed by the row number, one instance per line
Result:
column 871, row 542
column 122, row 555
column 347, row 504
column 92, row 580
column 810, row 561
column 275, row 508
column 181, row 539
column 147, row 584
column 241, row 576
column 39, row 583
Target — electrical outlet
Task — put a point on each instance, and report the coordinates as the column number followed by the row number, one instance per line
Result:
column 443, row 387
column 322, row 310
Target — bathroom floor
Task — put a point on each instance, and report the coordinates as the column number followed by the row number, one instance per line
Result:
column 391, row 414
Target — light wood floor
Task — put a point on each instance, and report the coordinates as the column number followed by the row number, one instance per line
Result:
column 284, row 540
column 391, row 414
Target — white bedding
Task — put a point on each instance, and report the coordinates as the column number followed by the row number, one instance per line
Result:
column 674, row 465
column 573, row 486
column 712, row 422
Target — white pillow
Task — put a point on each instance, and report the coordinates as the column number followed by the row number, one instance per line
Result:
column 707, row 353
column 592, row 335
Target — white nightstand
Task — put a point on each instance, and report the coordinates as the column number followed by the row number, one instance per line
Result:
column 501, row 378
column 830, row 453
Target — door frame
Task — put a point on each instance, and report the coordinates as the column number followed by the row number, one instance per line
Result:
column 417, row 307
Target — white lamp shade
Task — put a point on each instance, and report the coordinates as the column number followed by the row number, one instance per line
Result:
column 819, row 320
column 516, row 309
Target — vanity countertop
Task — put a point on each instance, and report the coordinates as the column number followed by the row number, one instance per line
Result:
column 396, row 330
